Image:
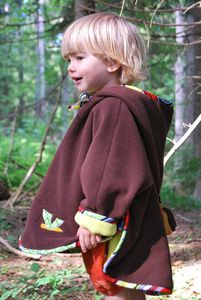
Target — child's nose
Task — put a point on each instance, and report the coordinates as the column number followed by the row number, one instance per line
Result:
column 71, row 68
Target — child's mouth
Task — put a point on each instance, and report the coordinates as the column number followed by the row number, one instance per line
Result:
column 77, row 80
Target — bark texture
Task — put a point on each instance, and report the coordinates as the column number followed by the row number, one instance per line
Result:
column 40, row 50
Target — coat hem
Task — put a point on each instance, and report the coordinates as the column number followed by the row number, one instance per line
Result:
column 152, row 290
column 146, row 288
column 47, row 251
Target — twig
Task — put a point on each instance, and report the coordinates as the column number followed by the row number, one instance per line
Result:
column 193, row 241
column 4, row 25
column 12, row 115
column 14, row 199
column 147, row 10
column 194, row 90
column 148, row 35
column 184, row 218
column 17, row 252
column 24, row 195
column 25, row 168
column 10, row 151
column 193, row 5
column 178, row 144
column 122, row 8
column 153, row 15
column 140, row 20
column 161, row 42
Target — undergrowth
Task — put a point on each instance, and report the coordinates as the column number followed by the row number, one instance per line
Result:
column 41, row 284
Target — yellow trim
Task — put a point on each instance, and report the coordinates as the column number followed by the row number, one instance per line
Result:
column 94, row 225
column 134, row 88
column 166, row 224
column 113, row 243
column 44, row 226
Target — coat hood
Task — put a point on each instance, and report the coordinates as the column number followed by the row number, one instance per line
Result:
column 152, row 114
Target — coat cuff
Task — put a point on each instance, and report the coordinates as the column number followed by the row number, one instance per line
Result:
column 97, row 224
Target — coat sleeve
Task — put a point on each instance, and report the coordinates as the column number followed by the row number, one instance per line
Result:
column 115, row 169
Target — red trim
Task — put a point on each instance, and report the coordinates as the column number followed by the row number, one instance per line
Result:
column 152, row 96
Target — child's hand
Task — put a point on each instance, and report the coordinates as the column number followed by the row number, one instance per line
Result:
column 87, row 239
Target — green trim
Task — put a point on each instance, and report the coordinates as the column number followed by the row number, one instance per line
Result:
column 48, row 251
column 93, row 215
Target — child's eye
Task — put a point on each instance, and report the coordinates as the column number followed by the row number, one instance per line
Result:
column 79, row 57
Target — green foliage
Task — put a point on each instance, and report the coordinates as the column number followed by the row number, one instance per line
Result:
column 19, row 69
column 186, row 178
column 179, row 182
column 26, row 147
column 57, row 285
column 174, row 200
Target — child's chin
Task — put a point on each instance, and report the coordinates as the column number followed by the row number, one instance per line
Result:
column 81, row 90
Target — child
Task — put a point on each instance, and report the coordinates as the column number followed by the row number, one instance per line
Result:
column 101, row 192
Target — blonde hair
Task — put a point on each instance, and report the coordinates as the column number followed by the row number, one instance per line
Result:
column 111, row 39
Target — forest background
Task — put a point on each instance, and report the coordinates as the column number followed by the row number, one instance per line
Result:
column 35, row 91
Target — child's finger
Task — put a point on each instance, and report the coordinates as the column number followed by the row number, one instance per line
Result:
column 87, row 240
column 82, row 244
column 98, row 238
column 93, row 240
column 84, row 240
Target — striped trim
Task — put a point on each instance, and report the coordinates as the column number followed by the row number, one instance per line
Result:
column 150, row 95
column 147, row 289
column 97, row 216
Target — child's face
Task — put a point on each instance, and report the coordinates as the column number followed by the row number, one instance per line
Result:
column 90, row 74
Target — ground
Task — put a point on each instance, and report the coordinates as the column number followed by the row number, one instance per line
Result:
column 62, row 276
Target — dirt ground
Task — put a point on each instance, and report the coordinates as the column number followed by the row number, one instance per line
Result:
column 185, row 247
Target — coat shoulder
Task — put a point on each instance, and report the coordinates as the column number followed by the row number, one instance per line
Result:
column 107, row 104
column 110, row 106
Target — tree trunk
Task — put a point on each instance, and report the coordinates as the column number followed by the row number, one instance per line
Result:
column 196, row 13
column 180, row 92
column 40, row 50
column 188, row 91
column 21, row 76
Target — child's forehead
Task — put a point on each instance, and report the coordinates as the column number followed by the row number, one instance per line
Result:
column 76, row 53
column 75, row 46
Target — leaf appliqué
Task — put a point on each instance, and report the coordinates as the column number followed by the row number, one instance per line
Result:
column 48, row 224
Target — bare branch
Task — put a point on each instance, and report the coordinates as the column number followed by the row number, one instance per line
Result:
column 4, row 25
column 122, row 7
column 10, row 151
column 139, row 20
column 185, row 219
column 17, row 252
column 14, row 199
column 30, row 106
column 155, row 11
column 178, row 144
column 195, row 89
column 161, row 42
column 192, row 6
column 25, row 168
column 26, row 194
column 146, row 11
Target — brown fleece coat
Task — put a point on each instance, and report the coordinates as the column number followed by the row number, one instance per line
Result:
column 110, row 162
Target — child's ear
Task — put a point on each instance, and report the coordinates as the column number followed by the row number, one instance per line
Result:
column 113, row 66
